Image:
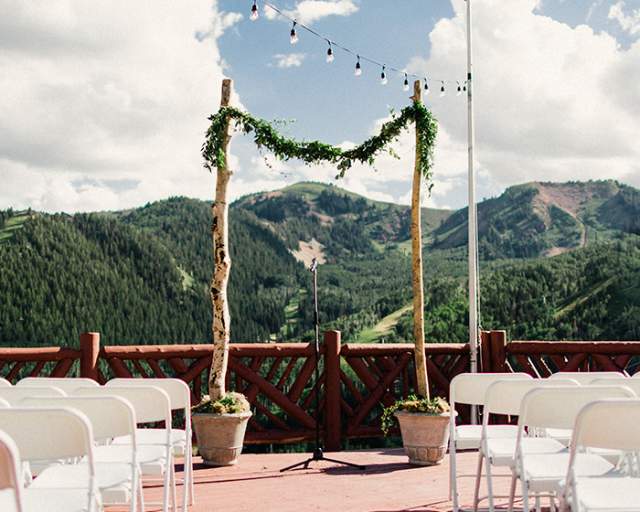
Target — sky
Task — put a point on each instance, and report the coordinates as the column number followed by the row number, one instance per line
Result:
column 104, row 104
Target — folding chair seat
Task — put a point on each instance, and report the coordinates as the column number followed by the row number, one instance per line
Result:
column 556, row 408
column 150, row 404
column 10, row 475
column 505, row 397
column 180, row 398
column 608, row 424
column 66, row 384
column 47, row 434
column 119, row 480
column 470, row 389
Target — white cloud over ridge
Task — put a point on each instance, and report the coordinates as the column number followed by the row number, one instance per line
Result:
column 630, row 23
column 104, row 104
column 309, row 11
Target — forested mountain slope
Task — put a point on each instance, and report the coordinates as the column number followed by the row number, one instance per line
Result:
column 141, row 275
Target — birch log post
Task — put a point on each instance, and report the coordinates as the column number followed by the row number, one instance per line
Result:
column 416, row 257
column 221, row 324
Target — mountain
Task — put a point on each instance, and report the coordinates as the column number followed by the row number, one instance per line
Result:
column 142, row 275
column 546, row 219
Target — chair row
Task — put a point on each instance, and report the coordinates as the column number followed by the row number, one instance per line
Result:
column 105, row 457
column 548, row 411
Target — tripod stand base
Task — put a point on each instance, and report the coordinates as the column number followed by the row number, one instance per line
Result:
column 318, row 456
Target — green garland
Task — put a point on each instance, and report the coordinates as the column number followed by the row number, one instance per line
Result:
column 284, row 148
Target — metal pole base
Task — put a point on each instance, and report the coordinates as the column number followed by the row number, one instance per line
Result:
column 317, row 456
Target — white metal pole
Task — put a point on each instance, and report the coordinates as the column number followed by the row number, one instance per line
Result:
column 473, row 218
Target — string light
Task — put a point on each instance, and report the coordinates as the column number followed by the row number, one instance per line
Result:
column 293, row 39
column 329, row 53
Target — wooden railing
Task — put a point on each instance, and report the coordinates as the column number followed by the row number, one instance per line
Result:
column 356, row 380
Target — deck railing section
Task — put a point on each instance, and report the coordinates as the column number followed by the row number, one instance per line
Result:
column 356, row 380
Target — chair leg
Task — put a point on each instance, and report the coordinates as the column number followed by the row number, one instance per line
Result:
column 140, row 492
column 173, row 488
column 476, row 493
column 453, row 488
column 512, row 490
column 489, row 485
column 538, row 504
column 552, row 503
column 525, row 496
column 192, row 490
column 165, row 489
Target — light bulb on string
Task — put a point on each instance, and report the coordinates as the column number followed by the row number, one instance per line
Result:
column 254, row 11
column 426, row 87
column 405, row 84
column 358, row 70
column 330, row 56
column 464, row 86
column 459, row 92
column 383, row 76
column 442, row 91
column 294, row 35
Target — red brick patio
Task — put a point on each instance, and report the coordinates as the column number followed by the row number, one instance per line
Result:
column 388, row 484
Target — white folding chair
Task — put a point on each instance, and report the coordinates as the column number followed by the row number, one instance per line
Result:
column 505, row 397
column 180, row 397
column 470, row 389
column 584, row 378
column 556, row 407
column 10, row 481
column 151, row 404
column 14, row 395
column 119, row 481
column 604, row 424
column 47, row 434
column 66, row 384
column 4, row 383
column 636, row 375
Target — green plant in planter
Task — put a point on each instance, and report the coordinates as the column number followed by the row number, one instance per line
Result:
column 430, row 406
column 231, row 403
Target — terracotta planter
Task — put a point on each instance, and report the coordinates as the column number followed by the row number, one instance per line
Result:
column 220, row 437
column 425, row 437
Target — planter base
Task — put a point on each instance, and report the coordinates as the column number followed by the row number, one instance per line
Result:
column 220, row 437
column 425, row 437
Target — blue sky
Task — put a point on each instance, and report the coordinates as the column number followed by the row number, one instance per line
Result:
column 104, row 104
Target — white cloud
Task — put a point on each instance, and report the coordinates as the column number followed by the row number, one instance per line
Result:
column 310, row 11
column 630, row 23
column 551, row 102
column 104, row 104
column 289, row 60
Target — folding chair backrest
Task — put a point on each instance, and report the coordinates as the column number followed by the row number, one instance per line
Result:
column 14, row 395
column 10, row 468
column 4, row 383
column 586, row 377
column 559, row 406
column 505, row 396
column 470, row 388
column 636, row 375
column 178, row 391
column 4, row 403
column 110, row 416
column 611, row 423
column 66, row 384
column 150, row 403
column 633, row 384
column 48, row 434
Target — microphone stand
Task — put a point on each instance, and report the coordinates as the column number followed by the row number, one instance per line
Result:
column 317, row 451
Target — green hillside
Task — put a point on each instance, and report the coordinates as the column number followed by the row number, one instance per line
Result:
column 141, row 275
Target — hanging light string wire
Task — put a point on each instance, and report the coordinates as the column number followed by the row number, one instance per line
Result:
column 359, row 56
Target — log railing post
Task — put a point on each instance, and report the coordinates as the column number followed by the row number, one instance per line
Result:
column 498, row 351
column 485, row 352
column 89, row 352
column 332, row 416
